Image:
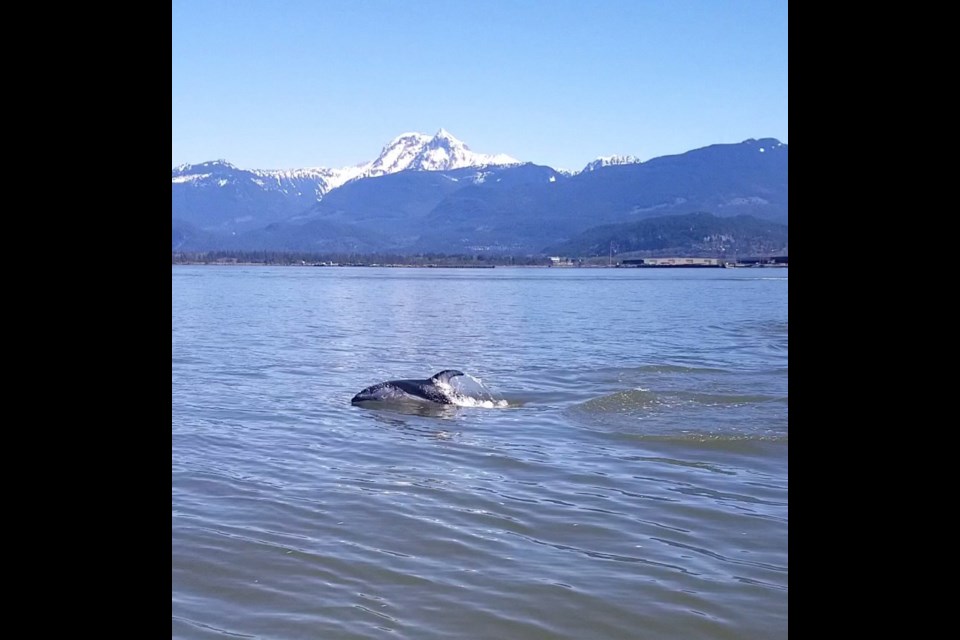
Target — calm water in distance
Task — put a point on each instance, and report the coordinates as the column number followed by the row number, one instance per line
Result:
column 635, row 485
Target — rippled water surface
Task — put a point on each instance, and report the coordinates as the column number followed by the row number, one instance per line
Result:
column 635, row 485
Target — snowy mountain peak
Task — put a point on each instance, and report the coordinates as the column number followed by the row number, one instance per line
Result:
column 408, row 138
column 444, row 139
column 443, row 134
column 213, row 166
column 409, row 151
column 195, row 173
column 395, row 156
column 421, row 152
column 609, row 161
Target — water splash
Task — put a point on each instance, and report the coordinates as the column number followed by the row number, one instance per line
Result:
column 469, row 391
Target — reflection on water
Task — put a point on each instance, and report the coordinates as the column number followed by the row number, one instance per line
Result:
column 410, row 407
column 634, row 485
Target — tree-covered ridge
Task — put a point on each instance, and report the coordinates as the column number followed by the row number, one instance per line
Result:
column 701, row 234
column 280, row 258
column 517, row 210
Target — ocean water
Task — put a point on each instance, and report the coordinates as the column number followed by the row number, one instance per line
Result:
column 626, row 479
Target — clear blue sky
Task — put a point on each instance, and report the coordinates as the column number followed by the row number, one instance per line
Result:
column 278, row 84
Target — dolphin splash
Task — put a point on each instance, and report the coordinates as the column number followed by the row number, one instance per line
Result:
column 433, row 389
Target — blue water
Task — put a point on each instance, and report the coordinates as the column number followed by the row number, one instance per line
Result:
column 635, row 485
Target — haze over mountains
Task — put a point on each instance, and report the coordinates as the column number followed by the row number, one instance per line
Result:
column 433, row 193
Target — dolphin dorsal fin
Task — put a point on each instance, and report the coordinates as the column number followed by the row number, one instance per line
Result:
column 445, row 375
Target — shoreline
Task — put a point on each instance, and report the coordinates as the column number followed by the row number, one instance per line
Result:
column 732, row 265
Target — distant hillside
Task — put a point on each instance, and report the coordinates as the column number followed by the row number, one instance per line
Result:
column 216, row 196
column 515, row 209
column 701, row 234
column 749, row 178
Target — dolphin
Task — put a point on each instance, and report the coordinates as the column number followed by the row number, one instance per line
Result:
column 419, row 390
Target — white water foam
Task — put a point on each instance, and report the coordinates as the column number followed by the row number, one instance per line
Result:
column 468, row 391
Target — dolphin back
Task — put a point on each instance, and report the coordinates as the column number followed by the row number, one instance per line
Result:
column 445, row 375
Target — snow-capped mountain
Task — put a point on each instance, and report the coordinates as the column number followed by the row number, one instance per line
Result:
column 419, row 152
column 408, row 151
column 221, row 173
column 443, row 152
column 220, row 195
column 413, row 197
column 396, row 155
column 607, row 161
column 431, row 193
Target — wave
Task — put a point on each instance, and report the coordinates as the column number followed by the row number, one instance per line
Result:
column 639, row 399
column 685, row 416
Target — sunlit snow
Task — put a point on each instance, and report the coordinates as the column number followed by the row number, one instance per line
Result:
column 408, row 151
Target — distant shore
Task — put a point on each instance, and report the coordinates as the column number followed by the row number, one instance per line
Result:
column 235, row 263
column 472, row 261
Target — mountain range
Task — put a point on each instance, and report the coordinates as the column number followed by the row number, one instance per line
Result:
column 432, row 193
